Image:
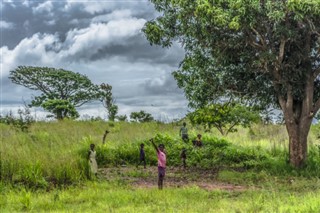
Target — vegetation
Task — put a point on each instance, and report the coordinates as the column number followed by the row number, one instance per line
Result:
column 61, row 90
column 46, row 169
column 266, row 52
column 141, row 116
column 22, row 122
column 225, row 117
column 109, row 102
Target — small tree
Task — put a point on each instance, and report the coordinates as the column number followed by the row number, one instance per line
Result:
column 22, row 122
column 141, row 116
column 224, row 117
column 122, row 117
column 108, row 101
column 61, row 90
column 60, row 109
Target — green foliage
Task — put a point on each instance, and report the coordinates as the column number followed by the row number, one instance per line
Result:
column 59, row 88
column 264, row 52
column 109, row 102
column 23, row 122
column 121, row 117
column 60, row 108
column 141, row 116
column 225, row 117
column 228, row 46
column 55, row 154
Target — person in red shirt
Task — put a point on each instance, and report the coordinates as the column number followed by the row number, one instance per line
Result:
column 161, row 163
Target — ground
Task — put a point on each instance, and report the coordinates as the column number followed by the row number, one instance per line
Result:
column 175, row 177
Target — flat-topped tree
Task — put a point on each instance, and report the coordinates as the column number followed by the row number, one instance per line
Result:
column 61, row 90
column 265, row 51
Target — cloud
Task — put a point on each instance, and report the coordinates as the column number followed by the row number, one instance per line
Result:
column 6, row 25
column 43, row 8
column 114, row 15
column 96, row 36
column 101, row 40
column 30, row 51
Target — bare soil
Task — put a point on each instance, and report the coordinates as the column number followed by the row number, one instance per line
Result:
column 175, row 177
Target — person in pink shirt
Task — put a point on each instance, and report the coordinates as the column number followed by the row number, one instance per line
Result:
column 161, row 163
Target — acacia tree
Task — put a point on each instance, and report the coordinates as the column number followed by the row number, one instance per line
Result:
column 265, row 50
column 224, row 117
column 61, row 90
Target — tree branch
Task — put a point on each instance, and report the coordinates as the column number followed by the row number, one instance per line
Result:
column 260, row 38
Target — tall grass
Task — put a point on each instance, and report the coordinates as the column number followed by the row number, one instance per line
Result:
column 54, row 154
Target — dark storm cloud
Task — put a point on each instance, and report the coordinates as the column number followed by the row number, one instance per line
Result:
column 138, row 48
column 101, row 39
column 28, row 20
column 163, row 85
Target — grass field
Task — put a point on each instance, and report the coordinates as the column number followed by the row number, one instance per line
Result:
column 45, row 170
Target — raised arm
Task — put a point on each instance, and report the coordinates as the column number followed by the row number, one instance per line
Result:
column 154, row 145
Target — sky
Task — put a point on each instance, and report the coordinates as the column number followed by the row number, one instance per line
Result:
column 100, row 39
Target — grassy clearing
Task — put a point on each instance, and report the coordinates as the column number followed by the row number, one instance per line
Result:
column 45, row 170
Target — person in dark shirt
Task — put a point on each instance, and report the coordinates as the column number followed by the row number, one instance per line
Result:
column 142, row 156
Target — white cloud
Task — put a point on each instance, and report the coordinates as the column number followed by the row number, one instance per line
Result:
column 45, row 7
column 96, row 7
column 98, row 35
column 6, row 25
column 30, row 51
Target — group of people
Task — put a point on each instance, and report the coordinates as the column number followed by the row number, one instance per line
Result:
column 160, row 150
column 185, row 136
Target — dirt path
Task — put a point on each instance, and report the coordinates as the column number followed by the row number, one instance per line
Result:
column 175, row 177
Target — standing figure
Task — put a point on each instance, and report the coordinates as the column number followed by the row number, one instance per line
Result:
column 142, row 156
column 161, row 163
column 183, row 157
column 92, row 160
column 184, row 132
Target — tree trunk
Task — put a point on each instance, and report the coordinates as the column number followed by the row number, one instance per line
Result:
column 298, row 144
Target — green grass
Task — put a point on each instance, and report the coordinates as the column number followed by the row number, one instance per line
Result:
column 112, row 197
column 45, row 170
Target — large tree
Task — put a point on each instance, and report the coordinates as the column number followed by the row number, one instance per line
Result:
column 61, row 90
column 267, row 51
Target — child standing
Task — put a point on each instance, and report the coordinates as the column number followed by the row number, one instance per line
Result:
column 92, row 160
column 142, row 156
column 161, row 163
column 184, row 133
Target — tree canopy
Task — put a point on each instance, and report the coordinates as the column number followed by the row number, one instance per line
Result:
column 141, row 116
column 263, row 51
column 224, row 117
column 61, row 90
